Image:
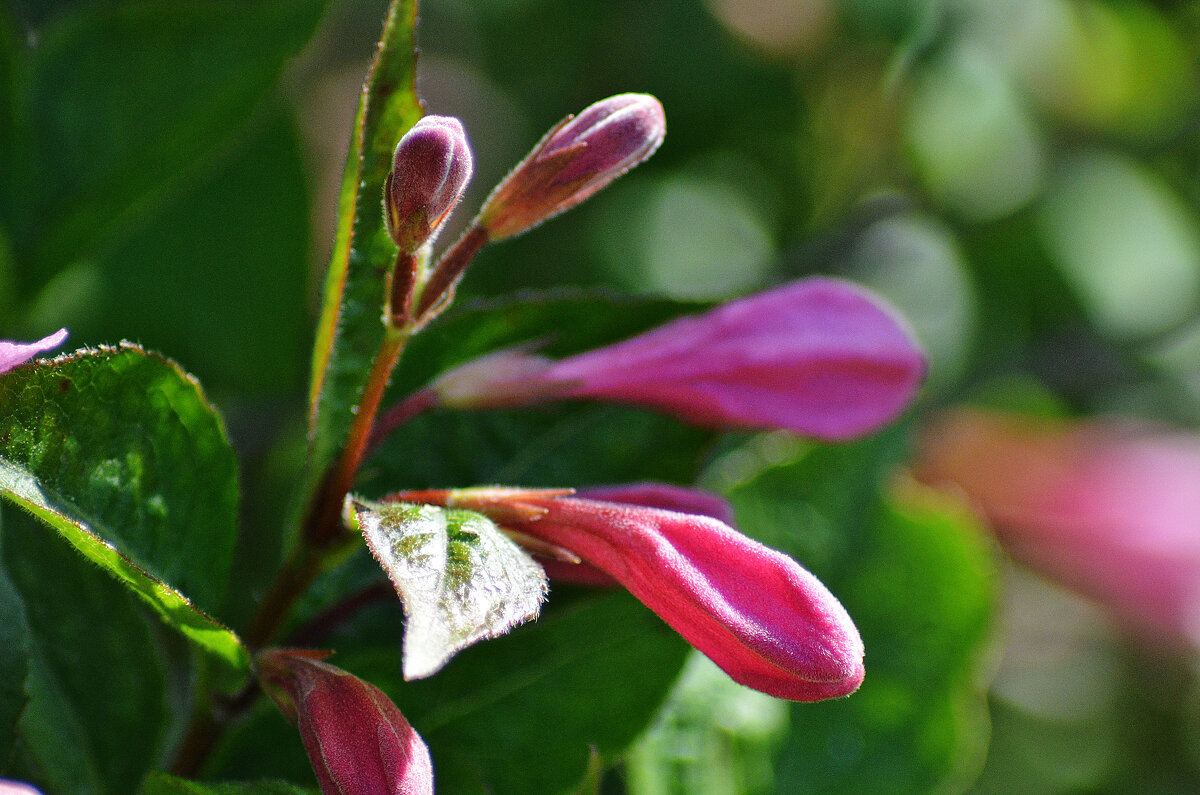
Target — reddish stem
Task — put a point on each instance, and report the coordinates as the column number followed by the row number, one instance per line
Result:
column 439, row 290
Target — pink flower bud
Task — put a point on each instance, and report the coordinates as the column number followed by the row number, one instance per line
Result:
column 17, row 788
column 14, row 353
column 430, row 170
column 574, row 160
column 647, row 495
column 1111, row 511
column 356, row 738
column 820, row 357
column 760, row 616
column 664, row 496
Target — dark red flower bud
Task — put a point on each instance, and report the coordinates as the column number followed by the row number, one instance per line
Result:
column 577, row 158
column 356, row 738
column 430, row 170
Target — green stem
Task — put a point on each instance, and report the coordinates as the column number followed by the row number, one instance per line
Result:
column 324, row 523
column 438, row 291
column 320, row 540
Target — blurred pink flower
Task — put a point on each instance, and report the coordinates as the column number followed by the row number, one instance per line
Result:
column 820, row 357
column 14, row 353
column 1110, row 510
column 17, row 788
column 761, row 617
column 648, row 495
column 356, row 738
column 575, row 159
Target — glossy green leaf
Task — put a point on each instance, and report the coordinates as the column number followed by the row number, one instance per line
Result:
column 918, row 577
column 97, row 712
column 350, row 330
column 460, row 578
column 14, row 661
column 715, row 737
column 163, row 784
column 116, row 104
column 119, row 451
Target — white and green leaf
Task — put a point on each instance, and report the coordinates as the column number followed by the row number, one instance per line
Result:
column 461, row 579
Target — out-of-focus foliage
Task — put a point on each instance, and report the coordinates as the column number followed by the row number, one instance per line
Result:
column 1020, row 177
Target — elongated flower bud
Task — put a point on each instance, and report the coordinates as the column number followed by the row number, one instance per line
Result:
column 647, row 495
column 356, row 738
column 14, row 353
column 574, row 160
column 821, row 357
column 430, row 170
column 759, row 615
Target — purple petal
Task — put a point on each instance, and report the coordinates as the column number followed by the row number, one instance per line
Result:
column 431, row 167
column 15, row 353
column 16, row 787
column 820, row 357
column 666, row 497
column 574, row 160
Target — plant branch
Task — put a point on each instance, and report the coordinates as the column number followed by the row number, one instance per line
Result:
column 324, row 520
column 415, row 404
column 439, row 290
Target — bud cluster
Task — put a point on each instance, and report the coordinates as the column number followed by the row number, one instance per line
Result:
column 432, row 166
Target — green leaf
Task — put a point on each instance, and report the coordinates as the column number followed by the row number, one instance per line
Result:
column 119, row 451
column 14, row 661
column 97, row 712
column 163, row 784
column 461, row 579
column 715, row 737
column 350, row 331
column 117, row 104
column 917, row 575
column 518, row 714
column 233, row 303
column 521, row 713
column 554, row 446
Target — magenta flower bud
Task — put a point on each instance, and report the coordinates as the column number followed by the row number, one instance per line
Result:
column 356, row 738
column 766, row 621
column 647, row 495
column 430, row 170
column 1111, row 511
column 574, row 160
column 820, row 357
column 665, row 496
column 14, row 353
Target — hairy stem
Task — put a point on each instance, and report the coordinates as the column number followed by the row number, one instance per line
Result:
column 439, row 290
column 321, row 538
column 324, row 522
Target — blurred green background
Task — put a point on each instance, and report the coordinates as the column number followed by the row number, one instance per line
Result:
column 1020, row 177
